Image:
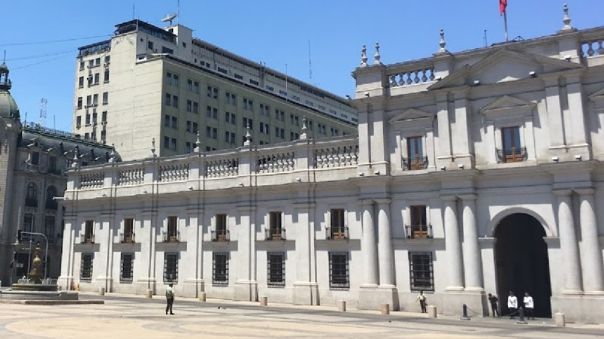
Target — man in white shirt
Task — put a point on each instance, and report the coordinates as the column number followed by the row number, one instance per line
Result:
column 169, row 298
column 529, row 305
column 512, row 304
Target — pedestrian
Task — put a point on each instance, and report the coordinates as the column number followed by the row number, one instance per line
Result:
column 169, row 298
column 422, row 301
column 493, row 300
column 529, row 306
column 512, row 304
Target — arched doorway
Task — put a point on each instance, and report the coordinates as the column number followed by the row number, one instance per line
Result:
column 521, row 262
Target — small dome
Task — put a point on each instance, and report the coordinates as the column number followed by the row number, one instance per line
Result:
column 8, row 106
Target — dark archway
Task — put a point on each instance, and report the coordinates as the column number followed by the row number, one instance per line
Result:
column 521, row 262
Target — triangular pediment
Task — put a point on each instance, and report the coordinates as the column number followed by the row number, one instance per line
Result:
column 597, row 97
column 508, row 104
column 411, row 114
column 504, row 66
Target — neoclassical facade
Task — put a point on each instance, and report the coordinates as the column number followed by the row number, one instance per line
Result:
column 473, row 172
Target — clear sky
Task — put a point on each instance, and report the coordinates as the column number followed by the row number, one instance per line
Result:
column 276, row 32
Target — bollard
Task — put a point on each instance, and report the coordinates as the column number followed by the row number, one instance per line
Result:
column 431, row 311
column 202, row 296
column 263, row 301
column 560, row 319
column 341, row 305
column 102, row 291
column 149, row 294
column 464, row 312
column 385, row 309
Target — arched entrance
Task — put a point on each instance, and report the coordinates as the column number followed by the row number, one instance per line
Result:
column 521, row 262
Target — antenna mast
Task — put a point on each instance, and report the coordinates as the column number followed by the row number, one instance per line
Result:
column 309, row 63
column 43, row 105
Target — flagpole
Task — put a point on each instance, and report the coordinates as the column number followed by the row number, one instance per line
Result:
column 505, row 22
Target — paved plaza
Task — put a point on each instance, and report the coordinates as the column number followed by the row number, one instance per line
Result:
column 134, row 317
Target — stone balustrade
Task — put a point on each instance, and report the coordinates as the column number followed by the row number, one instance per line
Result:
column 173, row 171
column 130, row 176
column 411, row 75
column 91, row 179
column 275, row 162
column 341, row 153
column 220, row 166
column 592, row 48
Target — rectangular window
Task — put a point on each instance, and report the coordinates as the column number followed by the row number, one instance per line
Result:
column 220, row 269
column 105, row 98
column 166, row 120
column 166, row 142
column 106, row 76
column 175, row 101
column 337, row 228
column 173, row 144
column 128, row 236
column 415, row 152
column 81, row 82
column 86, row 267
column 512, row 149
column 420, row 271
column 195, row 107
column 126, row 267
column 275, row 230
column 89, row 232
column 276, row 269
column 168, row 99
column 170, row 267
column 174, row 122
column 338, row 271
column 172, row 234
column 419, row 225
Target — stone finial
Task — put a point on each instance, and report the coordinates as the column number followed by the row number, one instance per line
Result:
column 76, row 158
column 442, row 43
column 153, row 148
column 377, row 57
column 364, row 56
column 197, row 148
column 112, row 154
column 248, row 135
column 566, row 19
column 303, row 135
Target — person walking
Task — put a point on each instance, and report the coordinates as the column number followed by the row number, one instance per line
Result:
column 529, row 306
column 169, row 298
column 493, row 301
column 512, row 304
column 422, row 301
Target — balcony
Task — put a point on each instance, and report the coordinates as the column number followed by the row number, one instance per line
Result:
column 274, row 234
column 127, row 238
column 415, row 163
column 172, row 237
column 514, row 154
column 221, row 236
column 419, row 231
column 87, row 239
column 336, row 233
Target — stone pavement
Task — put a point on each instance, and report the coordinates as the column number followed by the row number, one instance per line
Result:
column 136, row 317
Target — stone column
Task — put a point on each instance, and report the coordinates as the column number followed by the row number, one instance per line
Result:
column 385, row 253
column 368, row 246
column 591, row 257
column 453, row 245
column 471, row 249
column 568, row 243
column 306, row 290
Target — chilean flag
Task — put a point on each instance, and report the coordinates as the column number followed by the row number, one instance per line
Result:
column 502, row 6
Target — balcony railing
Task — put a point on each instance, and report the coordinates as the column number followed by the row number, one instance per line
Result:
column 415, row 163
column 171, row 237
column 87, row 239
column 221, row 236
column 336, row 233
column 274, row 233
column 419, row 231
column 514, row 154
column 127, row 238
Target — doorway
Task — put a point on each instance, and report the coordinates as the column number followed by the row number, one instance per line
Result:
column 521, row 262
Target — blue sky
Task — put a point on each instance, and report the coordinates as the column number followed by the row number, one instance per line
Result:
column 276, row 32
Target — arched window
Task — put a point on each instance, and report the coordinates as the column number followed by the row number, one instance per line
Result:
column 31, row 199
column 51, row 193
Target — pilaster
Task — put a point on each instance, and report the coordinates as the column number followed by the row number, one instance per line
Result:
column 568, row 243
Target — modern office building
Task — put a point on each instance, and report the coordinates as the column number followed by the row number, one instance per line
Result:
column 156, row 83
column 33, row 161
column 474, row 172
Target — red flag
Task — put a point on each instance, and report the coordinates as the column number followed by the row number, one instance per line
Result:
column 503, row 4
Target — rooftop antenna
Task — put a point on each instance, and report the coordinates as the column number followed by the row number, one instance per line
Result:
column 4, row 57
column 309, row 63
column 133, row 10
column 169, row 18
column 43, row 105
column 177, row 12
column 486, row 42
column 286, row 94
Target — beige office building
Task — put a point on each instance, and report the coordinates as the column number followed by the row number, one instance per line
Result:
column 149, row 83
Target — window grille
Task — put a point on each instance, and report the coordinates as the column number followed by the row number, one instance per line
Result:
column 338, row 271
column 220, row 269
column 421, row 271
column 276, row 269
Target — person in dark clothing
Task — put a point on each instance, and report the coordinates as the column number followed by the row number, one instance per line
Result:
column 169, row 298
column 493, row 301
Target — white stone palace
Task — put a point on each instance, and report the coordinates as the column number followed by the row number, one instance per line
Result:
column 474, row 172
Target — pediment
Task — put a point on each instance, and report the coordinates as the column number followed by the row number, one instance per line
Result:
column 597, row 97
column 504, row 66
column 411, row 114
column 508, row 105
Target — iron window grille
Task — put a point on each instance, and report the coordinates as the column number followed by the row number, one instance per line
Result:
column 339, row 275
column 170, row 267
column 421, row 273
column 220, row 269
column 126, row 267
column 86, row 267
column 276, row 269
